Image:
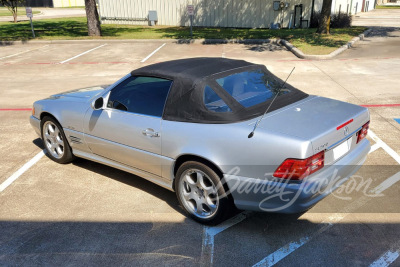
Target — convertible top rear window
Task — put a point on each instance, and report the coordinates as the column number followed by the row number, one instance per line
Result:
column 250, row 88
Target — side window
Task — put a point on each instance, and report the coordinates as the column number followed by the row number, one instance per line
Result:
column 213, row 102
column 143, row 95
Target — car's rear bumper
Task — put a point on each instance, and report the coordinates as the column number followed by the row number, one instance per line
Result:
column 35, row 122
column 278, row 196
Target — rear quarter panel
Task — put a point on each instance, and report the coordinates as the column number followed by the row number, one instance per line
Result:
column 228, row 146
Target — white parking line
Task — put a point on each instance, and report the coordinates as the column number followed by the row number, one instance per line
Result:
column 152, row 53
column 62, row 62
column 382, row 144
column 209, row 232
column 373, row 148
column 23, row 52
column 386, row 184
column 289, row 248
column 23, row 169
column 386, row 259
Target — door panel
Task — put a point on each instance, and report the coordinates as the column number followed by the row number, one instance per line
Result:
column 128, row 138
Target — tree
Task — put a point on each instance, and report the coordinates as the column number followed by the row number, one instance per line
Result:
column 325, row 18
column 92, row 15
column 12, row 5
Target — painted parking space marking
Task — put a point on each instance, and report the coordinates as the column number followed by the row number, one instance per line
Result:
column 209, row 232
column 15, row 109
column 291, row 247
column 23, row 52
column 386, row 184
column 382, row 144
column 387, row 258
column 81, row 54
column 152, row 53
column 70, row 63
column 373, row 148
column 23, row 169
column 380, row 105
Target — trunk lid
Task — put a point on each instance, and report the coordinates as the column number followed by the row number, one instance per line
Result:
column 321, row 121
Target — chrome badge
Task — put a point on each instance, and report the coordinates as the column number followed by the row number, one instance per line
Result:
column 346, row 131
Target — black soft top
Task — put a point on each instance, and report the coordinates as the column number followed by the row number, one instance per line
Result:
column 185, row 100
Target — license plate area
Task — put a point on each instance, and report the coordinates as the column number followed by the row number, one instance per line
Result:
column 342, row 149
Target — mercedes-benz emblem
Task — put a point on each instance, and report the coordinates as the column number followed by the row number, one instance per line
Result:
column 346, row 130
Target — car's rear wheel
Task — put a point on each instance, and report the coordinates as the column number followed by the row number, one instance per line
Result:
column 55, row 142
column 201, row 194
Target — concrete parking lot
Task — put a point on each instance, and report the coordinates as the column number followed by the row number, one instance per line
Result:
column 85, row 213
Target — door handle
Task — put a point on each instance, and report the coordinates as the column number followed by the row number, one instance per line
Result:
column 150, row 133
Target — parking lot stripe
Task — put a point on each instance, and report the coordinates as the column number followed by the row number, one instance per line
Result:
column 15, row 109
column 152, row 53
column 289, row 248
column 23, row 169
column 388, row 150
column 381, row 105
column 373, row 148
column 209, row 232
column 23, row 52
column 387, row 183
column 81, row 54
column 386, row 259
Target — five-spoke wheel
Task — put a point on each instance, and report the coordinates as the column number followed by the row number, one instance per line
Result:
column 53, row 139
column 55, row 142
column 201, row 194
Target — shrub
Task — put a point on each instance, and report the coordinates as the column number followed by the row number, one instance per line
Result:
column 342, row 20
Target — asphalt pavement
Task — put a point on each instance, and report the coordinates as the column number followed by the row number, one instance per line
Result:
column 87, row 214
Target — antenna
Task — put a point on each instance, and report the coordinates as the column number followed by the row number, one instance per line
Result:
column 258, row 122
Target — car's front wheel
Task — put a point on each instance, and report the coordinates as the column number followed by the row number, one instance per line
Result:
column 201, row 194
column 55, row 142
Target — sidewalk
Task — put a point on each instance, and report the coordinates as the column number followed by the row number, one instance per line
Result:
column 378, row 18
column 50, row 13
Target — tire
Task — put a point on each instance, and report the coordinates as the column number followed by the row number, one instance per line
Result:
column 55, row 142
column 200, row 193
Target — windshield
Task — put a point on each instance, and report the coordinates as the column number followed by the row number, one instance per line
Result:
column 251, row 87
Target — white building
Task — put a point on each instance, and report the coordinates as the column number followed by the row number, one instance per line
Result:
column 223, row 13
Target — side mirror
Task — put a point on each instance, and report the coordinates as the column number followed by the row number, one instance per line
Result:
column 98, row 103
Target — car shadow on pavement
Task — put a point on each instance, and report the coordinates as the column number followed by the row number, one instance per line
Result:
column 131, row 180
column 126, row 178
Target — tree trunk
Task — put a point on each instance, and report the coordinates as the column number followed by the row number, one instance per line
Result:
column 325, row 18
column 15, row 14
column 93, row 21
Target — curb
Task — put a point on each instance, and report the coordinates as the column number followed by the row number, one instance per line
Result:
column 338, row 51
column 176, row 41
column 283, row 42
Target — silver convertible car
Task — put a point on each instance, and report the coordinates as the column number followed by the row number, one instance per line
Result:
column 221, row 133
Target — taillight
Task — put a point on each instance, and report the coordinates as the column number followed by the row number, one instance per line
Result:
column 298, row 169
column 363, row 132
